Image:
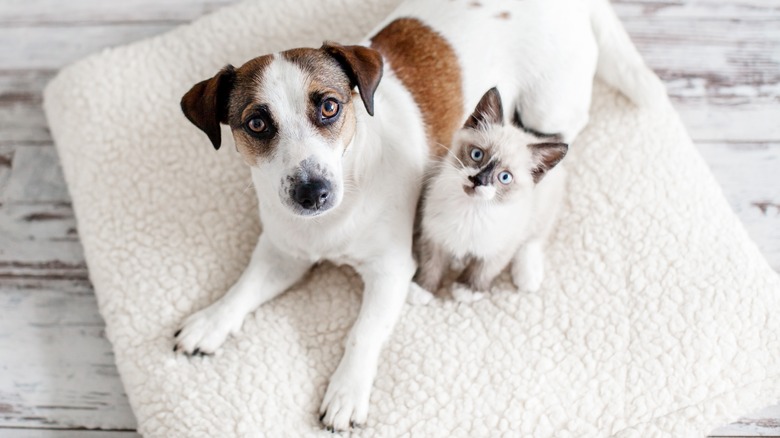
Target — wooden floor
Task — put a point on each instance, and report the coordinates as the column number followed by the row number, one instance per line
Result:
column 720, row 61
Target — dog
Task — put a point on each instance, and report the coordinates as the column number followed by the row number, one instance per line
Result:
column 338, row 139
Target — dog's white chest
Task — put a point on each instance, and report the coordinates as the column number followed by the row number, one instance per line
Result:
column 313, row 244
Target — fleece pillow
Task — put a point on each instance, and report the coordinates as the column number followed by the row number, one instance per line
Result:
column 657, row 317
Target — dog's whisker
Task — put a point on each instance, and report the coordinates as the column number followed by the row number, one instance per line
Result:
column 250, row 185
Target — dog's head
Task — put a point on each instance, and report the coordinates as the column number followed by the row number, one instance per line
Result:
column 293, row 117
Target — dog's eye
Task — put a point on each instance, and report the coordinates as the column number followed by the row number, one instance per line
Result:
column 505, row 177
column 329, row 108
column 257, row 125
column 477, row 154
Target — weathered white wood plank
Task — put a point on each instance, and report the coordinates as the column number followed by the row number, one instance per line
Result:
column 35, row 177
column 763, row 423
column 61, row 373
column 750, row 177
column 720, row 62
column 730, row 123
column 6, row 158
column 60, row 433
column 699, row 7
column 49, row 12
column 23, row 85
column 38, row 237
column 23, row 123
column 40, row 241
column 51, row 47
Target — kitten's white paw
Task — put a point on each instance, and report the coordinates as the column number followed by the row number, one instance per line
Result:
column 528, row 273
column 418, row 295
column 463, row 294
column 206, row 330
column 345, row 404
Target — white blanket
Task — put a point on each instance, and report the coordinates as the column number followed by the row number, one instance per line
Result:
column 658, row 315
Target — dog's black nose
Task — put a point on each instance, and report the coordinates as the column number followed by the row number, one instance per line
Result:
column 313, row 194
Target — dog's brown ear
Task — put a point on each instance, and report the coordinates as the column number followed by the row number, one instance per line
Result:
column 206, row 104
column 362, row 65
column 489, row 110
column 545, row 157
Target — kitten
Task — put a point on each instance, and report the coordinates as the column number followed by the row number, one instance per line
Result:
column 493, row 202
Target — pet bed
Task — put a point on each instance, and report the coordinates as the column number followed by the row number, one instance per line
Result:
column 658, row 316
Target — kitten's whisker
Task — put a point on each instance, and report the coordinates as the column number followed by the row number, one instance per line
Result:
column 463, row 171
column 452, row 154
column 437, row 171
column 439, row 164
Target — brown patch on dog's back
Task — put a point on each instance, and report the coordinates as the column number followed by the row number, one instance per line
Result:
column 503, row 15
column 428, row 67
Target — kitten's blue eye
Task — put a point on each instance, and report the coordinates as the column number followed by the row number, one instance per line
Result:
column 505, row 177
column 477, row 154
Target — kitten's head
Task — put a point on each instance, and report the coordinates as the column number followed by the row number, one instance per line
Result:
column 498, row 161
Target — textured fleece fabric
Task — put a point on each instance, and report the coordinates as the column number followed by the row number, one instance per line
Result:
column 658, row 316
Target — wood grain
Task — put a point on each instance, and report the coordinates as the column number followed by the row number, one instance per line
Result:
column 59, row 433
column 764, row 423
column 720, row 62
column 45, row 13
column 34, row 47
column 62, row 372
column 755, row 194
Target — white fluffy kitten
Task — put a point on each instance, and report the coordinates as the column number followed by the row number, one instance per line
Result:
column 492, row 202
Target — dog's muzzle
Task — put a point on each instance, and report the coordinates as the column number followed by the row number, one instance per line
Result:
column 312, row 195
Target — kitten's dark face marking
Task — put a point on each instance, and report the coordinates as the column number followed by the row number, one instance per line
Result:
column 485, row 175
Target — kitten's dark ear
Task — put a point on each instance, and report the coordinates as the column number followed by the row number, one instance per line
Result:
column 206, row 104
column 363, row 67
column 489, row 111
column 545, row 156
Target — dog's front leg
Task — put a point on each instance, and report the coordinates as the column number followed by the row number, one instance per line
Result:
column 347, row 397
column 269, row 273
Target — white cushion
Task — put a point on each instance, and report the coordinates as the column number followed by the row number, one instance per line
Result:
column 658, row 315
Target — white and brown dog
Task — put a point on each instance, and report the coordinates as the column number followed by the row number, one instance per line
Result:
column 338, row 171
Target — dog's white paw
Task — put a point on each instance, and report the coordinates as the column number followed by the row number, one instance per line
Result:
column 418, row 295
column 461, row 293
column 206, row 330
column 528, row 273
column 345, row 404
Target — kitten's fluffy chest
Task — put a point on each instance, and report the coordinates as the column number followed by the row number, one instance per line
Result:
column 465, row 226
